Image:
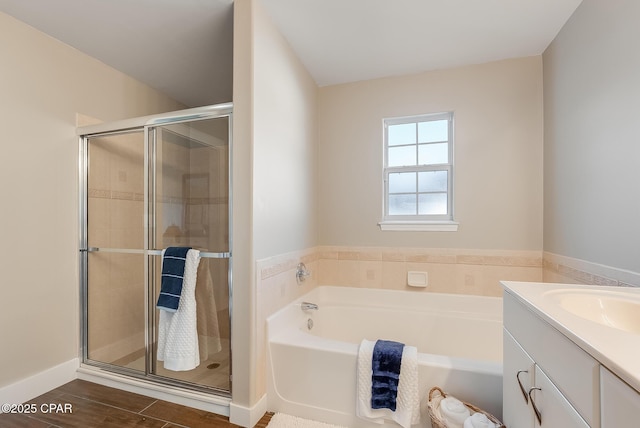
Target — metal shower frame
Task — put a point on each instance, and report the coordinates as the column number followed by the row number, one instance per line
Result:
column 147, row 124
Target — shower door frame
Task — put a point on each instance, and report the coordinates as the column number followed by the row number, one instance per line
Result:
column 147, row 125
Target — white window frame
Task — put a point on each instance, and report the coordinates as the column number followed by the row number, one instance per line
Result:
column 419, row 222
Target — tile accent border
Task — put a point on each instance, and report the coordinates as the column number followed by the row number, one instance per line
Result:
column 557, row 268
column 137, row 196
column 273, row 266
column 115, row 194
column 434, row 255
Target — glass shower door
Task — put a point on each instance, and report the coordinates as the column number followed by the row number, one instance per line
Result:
column 115, row 299
column 191, row 209
column 145, row 186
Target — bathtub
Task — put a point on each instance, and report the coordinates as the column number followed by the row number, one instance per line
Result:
column 311, row 372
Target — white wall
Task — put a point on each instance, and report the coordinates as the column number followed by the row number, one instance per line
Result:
column 284, row 145
column 243, row 308
column 44, row 83
column 592, row 145
column 498, row 155
column 274, row 175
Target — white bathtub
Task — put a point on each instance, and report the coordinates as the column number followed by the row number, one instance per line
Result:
column 312, row 373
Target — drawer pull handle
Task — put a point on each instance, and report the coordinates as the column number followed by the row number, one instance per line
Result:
column 533, row 403
column 524, row 393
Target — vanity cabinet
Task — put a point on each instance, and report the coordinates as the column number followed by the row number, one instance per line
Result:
column 527, row 389
column 620, row 402
column 548, row 381
column 574, row 350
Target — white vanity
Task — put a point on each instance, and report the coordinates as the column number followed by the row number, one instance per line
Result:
column 571, row 356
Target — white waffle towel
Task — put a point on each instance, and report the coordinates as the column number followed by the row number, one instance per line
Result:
column 178, row 331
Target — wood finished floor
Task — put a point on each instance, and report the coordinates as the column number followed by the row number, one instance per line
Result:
column 97, row 406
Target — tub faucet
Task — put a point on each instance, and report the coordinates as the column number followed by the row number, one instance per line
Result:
column 302, row 273
column 308, row 306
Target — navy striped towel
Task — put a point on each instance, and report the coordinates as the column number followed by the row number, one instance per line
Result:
column 173, row 261
column 385, row 365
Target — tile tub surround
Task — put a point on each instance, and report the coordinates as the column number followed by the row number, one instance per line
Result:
column 454, row 271
column 276, row 287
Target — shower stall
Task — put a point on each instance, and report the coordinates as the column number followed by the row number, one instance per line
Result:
column 147, row 184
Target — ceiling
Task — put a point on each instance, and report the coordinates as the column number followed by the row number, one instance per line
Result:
column 350, row 40
column 181, row 47
column 184, row 47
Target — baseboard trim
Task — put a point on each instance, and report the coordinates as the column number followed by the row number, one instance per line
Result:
column 39, row 383
column 248, row 416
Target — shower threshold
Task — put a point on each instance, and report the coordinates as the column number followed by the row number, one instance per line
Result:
column 207, row 401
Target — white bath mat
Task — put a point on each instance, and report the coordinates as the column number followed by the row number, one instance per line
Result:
column 280, row 420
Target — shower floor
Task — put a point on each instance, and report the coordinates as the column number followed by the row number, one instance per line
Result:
column 213, row 372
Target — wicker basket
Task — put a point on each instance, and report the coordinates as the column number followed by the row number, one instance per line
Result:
column 436, row 395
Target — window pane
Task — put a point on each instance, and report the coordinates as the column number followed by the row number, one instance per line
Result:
column 401, row 134
column 432, row 203
column 429, row 154
column 402, row 182
column 402, row 204
column 401, row 156
column 432, row 181
column 433, row 131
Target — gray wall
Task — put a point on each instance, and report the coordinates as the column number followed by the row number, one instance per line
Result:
column 592, row 136
column 284, row 144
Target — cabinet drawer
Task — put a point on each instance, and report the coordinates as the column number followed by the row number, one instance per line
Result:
column 620, row 402
column 571, row 369
column 555, row 410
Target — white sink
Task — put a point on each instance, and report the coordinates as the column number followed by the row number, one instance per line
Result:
column 613, row 309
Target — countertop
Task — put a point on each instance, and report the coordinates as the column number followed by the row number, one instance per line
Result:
column 616, row 349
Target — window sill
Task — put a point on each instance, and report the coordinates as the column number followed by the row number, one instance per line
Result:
column 419, row 226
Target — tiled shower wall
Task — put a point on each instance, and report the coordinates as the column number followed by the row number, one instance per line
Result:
column 116, row 315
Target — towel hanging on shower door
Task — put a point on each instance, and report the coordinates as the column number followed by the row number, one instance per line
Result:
column 207, row 314
column 172, row 280
column 177, row 331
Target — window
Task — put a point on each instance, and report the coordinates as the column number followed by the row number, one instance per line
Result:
column 418, row 173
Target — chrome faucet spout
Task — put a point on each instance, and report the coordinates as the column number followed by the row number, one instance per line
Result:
column 308, row 306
